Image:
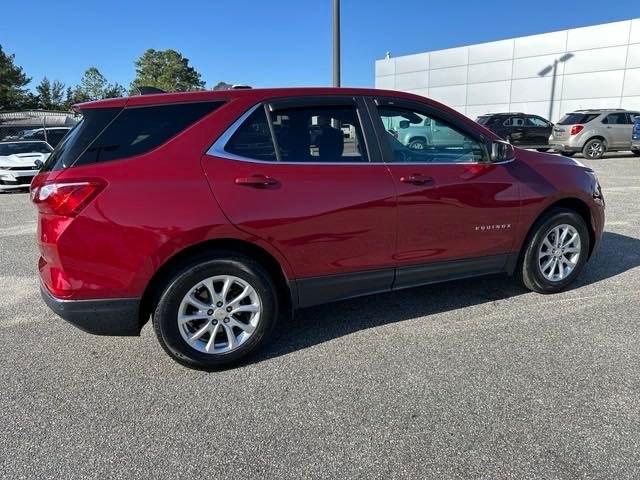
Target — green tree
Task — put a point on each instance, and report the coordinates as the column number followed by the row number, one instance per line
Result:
column 93, row 84
column 114, row 90
column 167, row 70
column 50, row 95
column 13, row 94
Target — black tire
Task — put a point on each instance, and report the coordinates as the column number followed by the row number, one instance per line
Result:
column 530, row 269
column 567, row 154
column 543, row 150
column 594, row 149
column 165, row 315
column 417, row 144
column 636, row 152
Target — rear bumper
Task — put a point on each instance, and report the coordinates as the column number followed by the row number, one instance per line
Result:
column 563, row 146
column 113, row 316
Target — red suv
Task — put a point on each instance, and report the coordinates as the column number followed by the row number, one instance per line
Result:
column 214, row 213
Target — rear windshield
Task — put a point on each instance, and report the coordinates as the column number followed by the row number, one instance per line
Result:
column 574, row 118
column 106, row 134
column 482, row 120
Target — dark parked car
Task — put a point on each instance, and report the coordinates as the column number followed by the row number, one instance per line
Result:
column 520, row 129
column 213, row 214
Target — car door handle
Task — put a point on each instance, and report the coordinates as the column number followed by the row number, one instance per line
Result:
column 256, row 181
column 416, row 179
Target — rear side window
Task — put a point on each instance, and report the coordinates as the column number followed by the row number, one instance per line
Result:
column 616, row 119
column 253, row 138
column 574, row 118
column 139, row 130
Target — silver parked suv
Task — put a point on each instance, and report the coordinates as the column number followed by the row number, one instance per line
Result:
column 593, row 132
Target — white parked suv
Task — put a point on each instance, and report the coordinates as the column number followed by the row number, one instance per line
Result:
column 593, row 132
column 19, row 162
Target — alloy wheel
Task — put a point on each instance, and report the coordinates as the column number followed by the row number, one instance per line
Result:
column 219, row 314
column 595, row 149
column 559, row 252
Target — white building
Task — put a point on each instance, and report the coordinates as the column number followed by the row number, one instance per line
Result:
column 548, row 74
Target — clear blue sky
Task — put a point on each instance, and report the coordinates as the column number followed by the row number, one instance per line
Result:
column 270, row 43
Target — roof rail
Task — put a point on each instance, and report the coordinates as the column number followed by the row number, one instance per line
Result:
column 601, row 110
column 144, row 90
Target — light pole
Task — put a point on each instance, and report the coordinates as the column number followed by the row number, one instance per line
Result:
column 336, row 43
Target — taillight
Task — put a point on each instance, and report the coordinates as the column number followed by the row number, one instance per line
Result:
column 576, row 129
column 64, row 198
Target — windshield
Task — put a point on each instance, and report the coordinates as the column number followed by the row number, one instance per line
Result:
column 12, row 148
column 575, row 118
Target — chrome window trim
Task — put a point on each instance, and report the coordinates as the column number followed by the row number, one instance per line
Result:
column 217, row 150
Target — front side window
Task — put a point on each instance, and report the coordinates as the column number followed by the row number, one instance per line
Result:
column 536, row 122
column 616, row 119
column 331, row 134
column 415, row 137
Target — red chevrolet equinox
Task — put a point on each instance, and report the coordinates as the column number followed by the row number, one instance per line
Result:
column 214, row 213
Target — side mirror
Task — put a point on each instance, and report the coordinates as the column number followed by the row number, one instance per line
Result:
column 404, row 124
column 502, row 151
column 39, row 164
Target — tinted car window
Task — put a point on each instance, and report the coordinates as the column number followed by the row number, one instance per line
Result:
column 253, row 138
column 319, row 134
column 514, row 122
column 616, row 119
column 574, row 118
column 415, row 137
column 536, row 122
column 139, row 130
column 94, row 120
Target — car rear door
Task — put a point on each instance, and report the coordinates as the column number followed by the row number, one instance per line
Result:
column 327, row 203
column 452, row 204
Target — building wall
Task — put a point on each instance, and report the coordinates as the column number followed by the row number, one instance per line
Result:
column 548, row 74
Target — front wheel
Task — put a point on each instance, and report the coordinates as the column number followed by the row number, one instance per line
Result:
column 417, row 144
column 216, row 311
column 555, row 252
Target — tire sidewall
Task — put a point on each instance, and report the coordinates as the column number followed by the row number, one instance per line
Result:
column 533, row 277
column 166, row 313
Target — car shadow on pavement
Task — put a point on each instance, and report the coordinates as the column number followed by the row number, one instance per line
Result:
column 311, row 326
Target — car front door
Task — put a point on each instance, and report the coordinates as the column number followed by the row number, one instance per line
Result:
column 618, row 128
column 537, row 131
column 454, row 207
column 286, row 173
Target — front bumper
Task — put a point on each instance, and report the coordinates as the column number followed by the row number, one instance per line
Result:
column 13, row 179
column 112, row 316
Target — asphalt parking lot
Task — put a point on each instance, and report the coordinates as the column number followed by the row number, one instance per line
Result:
column 477, row 379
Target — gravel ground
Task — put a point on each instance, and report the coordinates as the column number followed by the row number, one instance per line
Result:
column 476, row 379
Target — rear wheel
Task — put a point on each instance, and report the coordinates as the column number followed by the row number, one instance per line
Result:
column 417, row 144
column 215, row 312
column 594, row 149
column 555, row 252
